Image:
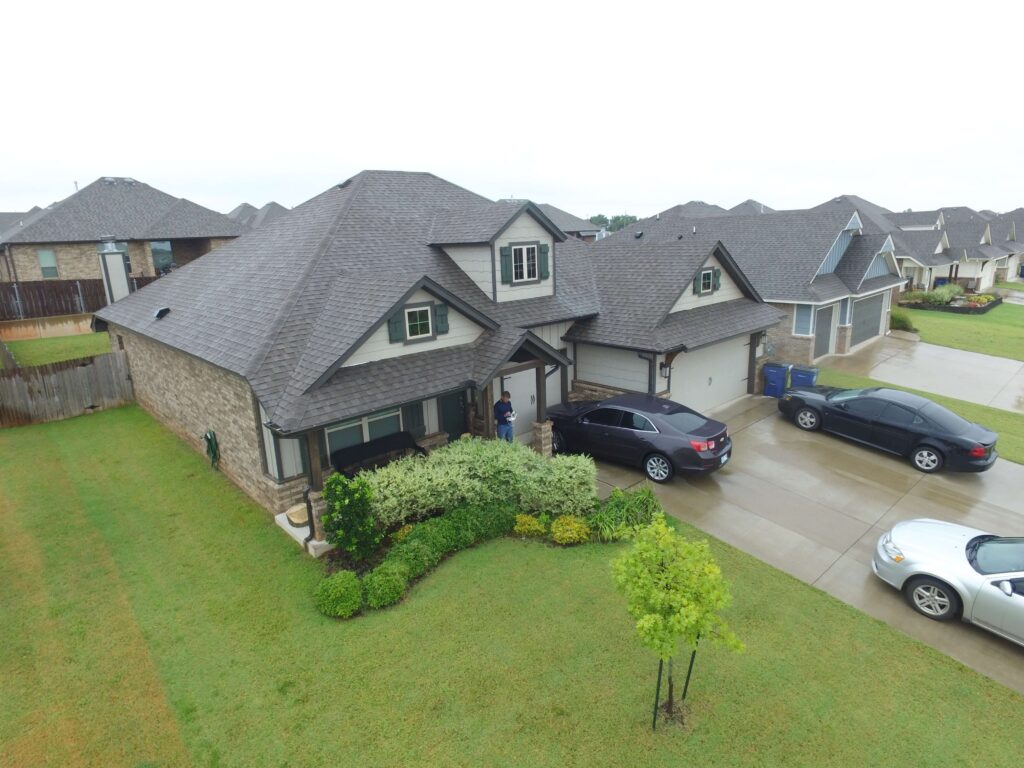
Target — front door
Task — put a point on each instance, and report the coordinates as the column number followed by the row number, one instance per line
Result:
column 452, row 414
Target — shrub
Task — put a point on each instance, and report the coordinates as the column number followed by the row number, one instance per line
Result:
column 564, row 485
column 941, row 295
column 401, row 533
column 568, row 529
column 901, row 321
column 528, row 525
column 385, row 584
column 418, row 557
column 495, row 520
column 340, row 595
column 439, row 534
column 980, row 299
column 623, row 512
column 348, row 520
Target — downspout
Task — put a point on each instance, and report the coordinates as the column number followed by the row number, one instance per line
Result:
column 652, row 372
column 309, row 517
column 11, row 269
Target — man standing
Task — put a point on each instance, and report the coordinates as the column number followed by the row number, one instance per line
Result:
column 504, row 416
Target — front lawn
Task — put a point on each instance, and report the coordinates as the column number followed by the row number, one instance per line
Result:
column 57, row 348
column 152, row 615
column 1011, row 286
column 1008, row 424
column 999, row 332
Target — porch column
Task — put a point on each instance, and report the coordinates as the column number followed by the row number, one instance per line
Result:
column 316, row 472
column 488, row 410
column 542, row 391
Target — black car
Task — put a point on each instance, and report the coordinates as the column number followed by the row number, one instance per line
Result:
column 909, row 425
column 658, row 435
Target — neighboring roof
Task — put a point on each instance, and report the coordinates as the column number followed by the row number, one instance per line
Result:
column 696, row 209
column 914, row 218
column 483, row 221
column 252, row 218
column 281, row 305
column 751, row 208
column 124, row 209
column 242, row 213
column 986, row 253
column 920, row 245
column 875, row 218
column 12, row 219
column 566, row 221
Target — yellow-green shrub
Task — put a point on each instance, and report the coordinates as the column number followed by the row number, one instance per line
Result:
column 569, row 529
column 528, row 525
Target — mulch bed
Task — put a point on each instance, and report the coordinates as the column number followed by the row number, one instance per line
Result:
column 956, row 310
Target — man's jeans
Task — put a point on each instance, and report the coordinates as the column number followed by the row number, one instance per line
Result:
column 505, row 432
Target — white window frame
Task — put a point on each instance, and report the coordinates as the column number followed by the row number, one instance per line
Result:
column 364, row 423
column 521, row 255
column 710, row 275
column 408, row 328
column 53, row 255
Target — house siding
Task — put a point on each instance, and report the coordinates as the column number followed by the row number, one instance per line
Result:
column 461, row 330
column 189, row 397
column 786, row 346
column 76, row 261
column 524, row 229
column 728, row 291
column 609, row 367
column 475, row 261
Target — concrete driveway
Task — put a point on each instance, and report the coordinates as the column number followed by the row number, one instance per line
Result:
column 970, row 376
column 814, row 505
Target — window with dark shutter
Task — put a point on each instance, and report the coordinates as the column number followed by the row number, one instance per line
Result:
column 545, row 267
column 717, row 281
column 696, row 284
column 506, row 264
column 396, row 328
column 441, row 318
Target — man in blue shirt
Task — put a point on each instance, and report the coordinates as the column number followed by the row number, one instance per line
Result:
column 503, row 416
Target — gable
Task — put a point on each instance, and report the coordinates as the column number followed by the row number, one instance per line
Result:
column 523, row 231
column 728, row 289
column 379, row 345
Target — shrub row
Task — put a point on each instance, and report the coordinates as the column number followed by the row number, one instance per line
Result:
column 941, row 295
column 421, row 548
column 618, row 517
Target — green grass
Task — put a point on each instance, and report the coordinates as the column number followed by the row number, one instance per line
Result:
column 151, row 614
column 57, row 348
column 999, row 332
column 1008, row 424
column 1011, row 286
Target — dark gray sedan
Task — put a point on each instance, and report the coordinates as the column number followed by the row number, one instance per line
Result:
column 657, row 435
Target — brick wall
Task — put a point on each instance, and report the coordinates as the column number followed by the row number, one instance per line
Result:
column 76, row 261
column 190, row 396
column 585, row 390
column 789, row 348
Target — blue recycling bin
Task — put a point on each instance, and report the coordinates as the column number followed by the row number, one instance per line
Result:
column 775, row 375
column 803, row 377
column 1022, row 270
column 941, row 281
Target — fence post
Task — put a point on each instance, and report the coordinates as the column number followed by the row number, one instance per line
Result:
column 17, row 303
column 81, row 298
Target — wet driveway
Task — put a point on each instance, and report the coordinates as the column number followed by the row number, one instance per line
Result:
column 814, row 505
column 970, row 376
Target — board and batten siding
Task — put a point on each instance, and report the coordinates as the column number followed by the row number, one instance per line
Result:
column 525, row 229
column 727, row 291
column 552, row 335
column 475, row 261
column 461, row 330
column 619, row 368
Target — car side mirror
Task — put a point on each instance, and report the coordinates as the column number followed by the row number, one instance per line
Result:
column 1006, row 588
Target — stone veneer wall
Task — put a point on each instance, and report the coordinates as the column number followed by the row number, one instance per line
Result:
column 76, row 261
column 585, row 390
column 190, row 396
column 789, row 348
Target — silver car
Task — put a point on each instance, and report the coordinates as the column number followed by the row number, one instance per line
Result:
column 948, row 571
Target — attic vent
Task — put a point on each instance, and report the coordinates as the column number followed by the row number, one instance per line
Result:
column 162, row 313
column 638, row 235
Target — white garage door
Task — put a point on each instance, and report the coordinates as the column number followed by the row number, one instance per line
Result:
column 523, row 388
column 713, row 375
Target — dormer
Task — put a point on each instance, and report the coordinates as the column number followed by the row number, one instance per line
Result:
column 506, row 248
column 716, row 280
column 839, row 245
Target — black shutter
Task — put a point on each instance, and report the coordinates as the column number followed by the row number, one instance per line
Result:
column 717, row 280
column 412, row 419
column 696, row 283
column 545, row 267
column 440, row 318
column 506, row 264
column 396, row 327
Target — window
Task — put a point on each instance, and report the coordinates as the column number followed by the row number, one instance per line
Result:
column 707, row 281
column 524, row 263
column 864, row 408
column 417, row 323
column 48, row 263
column 898, row 416
column 163, row 259
column 606, row 417
column 635, row 421
column 363, row 430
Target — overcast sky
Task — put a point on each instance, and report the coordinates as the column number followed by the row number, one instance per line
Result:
column 626, row 107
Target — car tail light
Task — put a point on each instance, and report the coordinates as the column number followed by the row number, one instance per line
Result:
column 701, row 445
column 977, row 452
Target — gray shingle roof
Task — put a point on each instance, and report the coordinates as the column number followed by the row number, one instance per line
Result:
column 914, row 218
column 874, row 217
column 920, row 246
column 857, row 260
column 566, row 221
column 282, row 304
column 696, row 209
column 124, row 209
column 750, row 208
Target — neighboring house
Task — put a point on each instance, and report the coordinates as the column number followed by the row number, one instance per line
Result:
column 251, row 217
column 695, row 209
column 970, row 242
column 678, row 318
column 832, row 279
column 391, row 302
column 115, row 229
column 750, row 208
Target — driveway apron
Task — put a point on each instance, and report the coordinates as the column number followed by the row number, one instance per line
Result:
column 814, row 505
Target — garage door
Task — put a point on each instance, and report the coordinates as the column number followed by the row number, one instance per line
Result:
column 710, row 376
column 867, row 318
column 823, row 331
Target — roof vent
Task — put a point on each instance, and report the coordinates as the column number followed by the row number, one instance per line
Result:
column 638, row 235
column 162, row 313
column 695, row 229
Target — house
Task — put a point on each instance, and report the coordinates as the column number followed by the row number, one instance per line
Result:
column 571, row 225
column 391, row 302
column 822, row 267
column 251, row 217
column 970, row 242
column 115, row 229
column 678, row 318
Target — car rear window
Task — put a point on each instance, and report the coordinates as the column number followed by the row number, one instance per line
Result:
column 684, row 421
column 944, row 419
column 1000, row 556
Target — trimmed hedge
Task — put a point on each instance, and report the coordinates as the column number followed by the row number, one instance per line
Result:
column 385, row 584
column 339, row 595
column 569, row 529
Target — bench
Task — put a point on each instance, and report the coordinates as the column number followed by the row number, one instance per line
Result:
column 375, row 453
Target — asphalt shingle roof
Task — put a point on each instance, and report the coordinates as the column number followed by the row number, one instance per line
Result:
column 921, row 246
column 566, row 221
column 124, row 209
column 750, row 208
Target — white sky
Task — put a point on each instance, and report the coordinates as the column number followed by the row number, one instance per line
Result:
column 594, row 107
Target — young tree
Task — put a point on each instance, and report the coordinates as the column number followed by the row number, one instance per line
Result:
column 674, row 590
column 620, row 221
column 600, row 220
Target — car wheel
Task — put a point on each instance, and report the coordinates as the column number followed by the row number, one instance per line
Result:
column 933, row 598
column 807, row 419
column 658, row 468
column 926, row 459
column 557, row 442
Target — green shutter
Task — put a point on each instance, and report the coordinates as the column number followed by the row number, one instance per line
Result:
column 396, row 327
column 412, row 419
column 545, row 268
column 506, row 264
column 716, row 282
column 441, row 318
column 696, row 283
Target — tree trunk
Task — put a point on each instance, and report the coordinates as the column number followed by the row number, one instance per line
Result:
column 657, row 695
column 671, row 688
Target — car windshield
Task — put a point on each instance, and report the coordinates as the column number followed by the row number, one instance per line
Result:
column 995, row 555
column 945, row 420
column 845, row 394
column 684, row 420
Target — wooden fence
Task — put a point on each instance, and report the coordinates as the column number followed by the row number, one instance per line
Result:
column 66, row 389
column 47, row 298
